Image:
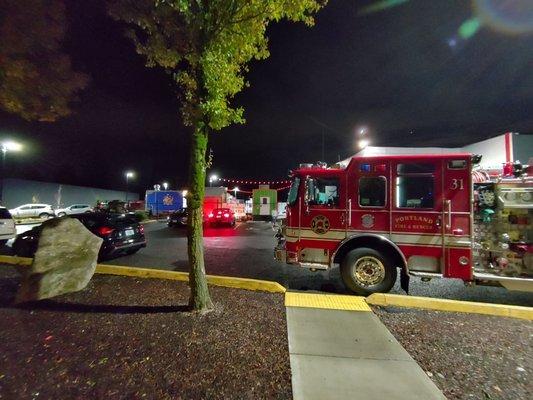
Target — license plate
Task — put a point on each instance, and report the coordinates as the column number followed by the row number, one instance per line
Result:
column 129, row 232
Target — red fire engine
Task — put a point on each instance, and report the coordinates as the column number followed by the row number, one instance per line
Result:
column 428, row 215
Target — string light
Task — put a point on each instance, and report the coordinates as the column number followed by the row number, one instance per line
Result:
column 250, row 191
column 253, row 182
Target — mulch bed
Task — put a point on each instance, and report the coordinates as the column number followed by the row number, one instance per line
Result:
column 134, row 338
column 468, row 356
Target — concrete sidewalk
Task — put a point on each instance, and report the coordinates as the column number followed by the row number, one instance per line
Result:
column 339, row 349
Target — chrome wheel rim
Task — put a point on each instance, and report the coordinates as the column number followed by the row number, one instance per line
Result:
column 369, row 271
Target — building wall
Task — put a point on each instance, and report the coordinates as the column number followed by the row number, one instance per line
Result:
column 21, row 191
column 495, row 151
column 523, row 147
column 492, row 150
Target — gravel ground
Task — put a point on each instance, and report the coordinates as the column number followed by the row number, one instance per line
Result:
column 468, row 356
column 133, row 338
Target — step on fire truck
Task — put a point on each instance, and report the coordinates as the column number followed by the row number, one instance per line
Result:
column 428, row 215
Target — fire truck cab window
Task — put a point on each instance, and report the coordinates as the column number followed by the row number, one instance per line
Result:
column 323, row 191
column 372, row 191
column 415, row 168
column 414, row 191
column 293, row 192
column 415, row 185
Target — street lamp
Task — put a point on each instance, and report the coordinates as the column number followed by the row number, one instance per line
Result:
column 363, row 143
column 129, row 175
column 6, row 146
column 165, row 185
column 212, row 178
column 235, row 190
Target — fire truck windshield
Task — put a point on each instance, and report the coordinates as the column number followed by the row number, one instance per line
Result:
column 293, row 192
column 323, row 191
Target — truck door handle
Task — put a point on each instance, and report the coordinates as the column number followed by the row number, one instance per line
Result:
column 449, row 214
column 349, row 212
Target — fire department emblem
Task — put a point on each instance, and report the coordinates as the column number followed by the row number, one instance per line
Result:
column 320, row 224
column 168, row 200
column 367, row 220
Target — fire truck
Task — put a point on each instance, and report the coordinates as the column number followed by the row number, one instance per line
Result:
column 430, row 216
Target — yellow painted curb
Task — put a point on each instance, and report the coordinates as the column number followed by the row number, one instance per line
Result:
column 15, row 260
column 500, row 310
column 327, row 301
column 216, row 280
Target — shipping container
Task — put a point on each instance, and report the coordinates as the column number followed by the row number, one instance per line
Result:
column 163, row 201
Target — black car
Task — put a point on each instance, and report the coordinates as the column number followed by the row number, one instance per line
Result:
column 178, row 218
column 121, row 234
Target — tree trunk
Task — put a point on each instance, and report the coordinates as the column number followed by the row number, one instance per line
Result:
column 200, row 299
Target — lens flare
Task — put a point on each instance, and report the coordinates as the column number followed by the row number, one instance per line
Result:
column 510, row 16
column 469, row 28
column 380, row 6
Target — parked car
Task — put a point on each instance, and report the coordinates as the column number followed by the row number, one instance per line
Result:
column 221, row 216
column 178, row 218
column 74, row 209
column 121, row 235
column 7, row 226
column 32, row 210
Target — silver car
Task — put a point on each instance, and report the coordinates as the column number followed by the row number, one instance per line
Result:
column 74, row 209
column 32, row 210
column 7, row 226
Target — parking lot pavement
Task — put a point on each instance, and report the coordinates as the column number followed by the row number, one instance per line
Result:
column 246, row 250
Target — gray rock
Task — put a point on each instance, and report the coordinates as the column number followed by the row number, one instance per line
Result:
column 64, row 262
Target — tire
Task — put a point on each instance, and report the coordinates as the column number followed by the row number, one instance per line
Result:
column 61, row 214
column 132, row 251
column 44, row 215
column 366, row 271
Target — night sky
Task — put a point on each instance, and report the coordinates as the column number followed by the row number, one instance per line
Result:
column 403, row 72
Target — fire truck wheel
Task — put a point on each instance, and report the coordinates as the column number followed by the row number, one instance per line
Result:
column 366, row 271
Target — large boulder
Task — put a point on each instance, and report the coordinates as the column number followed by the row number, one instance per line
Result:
column 64, row 262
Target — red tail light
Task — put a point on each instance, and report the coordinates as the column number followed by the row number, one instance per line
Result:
column 141, row 229
column 105, row 230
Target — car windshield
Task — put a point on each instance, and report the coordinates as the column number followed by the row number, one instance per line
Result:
column 96, row 219
column 293, row 192
column 121, row 219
